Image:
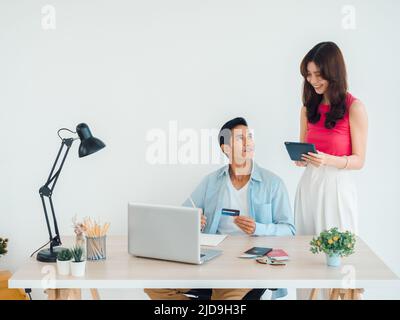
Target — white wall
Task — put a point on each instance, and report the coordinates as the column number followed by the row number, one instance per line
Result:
column 125, row 67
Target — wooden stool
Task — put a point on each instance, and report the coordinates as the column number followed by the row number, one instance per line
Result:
column 10, row 294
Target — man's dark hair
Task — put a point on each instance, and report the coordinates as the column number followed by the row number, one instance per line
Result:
column 224, row 136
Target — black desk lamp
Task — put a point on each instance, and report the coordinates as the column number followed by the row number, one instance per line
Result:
column 89, row 145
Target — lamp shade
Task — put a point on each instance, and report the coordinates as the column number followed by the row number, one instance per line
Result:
column 89, row 144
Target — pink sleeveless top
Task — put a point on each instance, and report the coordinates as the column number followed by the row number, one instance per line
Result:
column 336, row 141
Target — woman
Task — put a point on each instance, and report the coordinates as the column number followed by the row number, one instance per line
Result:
column 336, row 123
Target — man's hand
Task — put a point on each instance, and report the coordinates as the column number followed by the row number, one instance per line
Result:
column 203, row 221
column 247, row 224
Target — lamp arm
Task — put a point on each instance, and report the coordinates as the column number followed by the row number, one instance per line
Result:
column 68, row 143
column 47, row 191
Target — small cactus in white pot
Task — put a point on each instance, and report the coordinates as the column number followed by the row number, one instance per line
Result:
column 78, row 263
column 63, row 262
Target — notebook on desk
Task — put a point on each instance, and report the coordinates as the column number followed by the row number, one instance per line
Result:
column 255, row 252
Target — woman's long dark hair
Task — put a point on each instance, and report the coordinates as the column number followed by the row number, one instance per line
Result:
column 329, row 59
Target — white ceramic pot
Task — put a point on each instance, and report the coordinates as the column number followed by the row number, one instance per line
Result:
column 63, row 267
column 78, row 268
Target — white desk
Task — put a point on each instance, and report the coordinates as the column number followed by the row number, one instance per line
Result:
column 304, row 270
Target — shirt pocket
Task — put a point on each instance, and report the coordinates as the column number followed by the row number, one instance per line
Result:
column 263, row 213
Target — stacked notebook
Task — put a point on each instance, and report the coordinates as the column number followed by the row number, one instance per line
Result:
column 278, row 255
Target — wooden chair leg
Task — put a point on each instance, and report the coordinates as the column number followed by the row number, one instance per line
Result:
column 95, row 294
column 314, row 294
column 334, row 294
column 348, row 295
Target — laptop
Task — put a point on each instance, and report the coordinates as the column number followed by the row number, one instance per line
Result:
column 167, row 233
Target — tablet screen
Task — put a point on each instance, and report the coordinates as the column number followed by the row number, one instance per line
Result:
column 297, row 149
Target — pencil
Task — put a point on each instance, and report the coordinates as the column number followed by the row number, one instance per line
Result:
column 191, row 200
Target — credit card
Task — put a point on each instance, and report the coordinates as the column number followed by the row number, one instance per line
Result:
column 231, row 212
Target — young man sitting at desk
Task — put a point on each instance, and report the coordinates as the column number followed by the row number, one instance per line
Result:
column 259, row 195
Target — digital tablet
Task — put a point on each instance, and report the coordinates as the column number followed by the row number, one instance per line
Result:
column 297, row 149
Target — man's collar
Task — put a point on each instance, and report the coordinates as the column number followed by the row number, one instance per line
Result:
column 254, row 175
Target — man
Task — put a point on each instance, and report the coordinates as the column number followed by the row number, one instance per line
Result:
column 259, row 195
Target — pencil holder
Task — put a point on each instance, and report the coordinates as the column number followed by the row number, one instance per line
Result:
column 96, row 248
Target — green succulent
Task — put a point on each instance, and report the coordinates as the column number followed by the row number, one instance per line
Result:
column 64, row 255
column 3, row 246
column 77, row 254
column 334, row 242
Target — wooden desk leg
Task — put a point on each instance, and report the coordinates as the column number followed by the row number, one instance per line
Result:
column 314, row 294
column 95, row 294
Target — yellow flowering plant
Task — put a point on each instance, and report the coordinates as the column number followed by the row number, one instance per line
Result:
column 333, row 242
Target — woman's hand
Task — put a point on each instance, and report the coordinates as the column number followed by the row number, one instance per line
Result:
column 247, row 224
column 301, row 163
column 316, row 159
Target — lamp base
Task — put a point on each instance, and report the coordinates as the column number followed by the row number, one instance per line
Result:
column 46, row 255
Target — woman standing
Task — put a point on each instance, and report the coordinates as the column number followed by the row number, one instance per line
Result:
column 336, row 123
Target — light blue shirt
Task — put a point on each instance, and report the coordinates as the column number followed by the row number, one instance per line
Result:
column 268, row 204
column 268, row 201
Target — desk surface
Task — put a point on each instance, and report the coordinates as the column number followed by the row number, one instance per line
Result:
column 304, row 270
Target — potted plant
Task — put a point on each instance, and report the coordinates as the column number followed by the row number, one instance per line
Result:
column 3, row 246
column 78, row 262
column 63, row 262
column 334, row 244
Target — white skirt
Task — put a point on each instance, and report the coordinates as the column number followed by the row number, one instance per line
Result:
column 326, row 197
